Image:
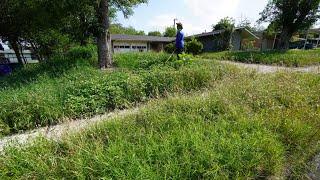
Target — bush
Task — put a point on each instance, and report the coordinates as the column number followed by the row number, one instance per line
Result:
column 136, row 61
column 194, row 47
column 170, row 48
column 80, row 52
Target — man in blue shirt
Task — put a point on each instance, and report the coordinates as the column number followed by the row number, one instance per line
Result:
column 179, row 40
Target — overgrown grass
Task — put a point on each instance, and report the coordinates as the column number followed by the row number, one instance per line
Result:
column 70, row 86
column 286, row 58
column 246, row 126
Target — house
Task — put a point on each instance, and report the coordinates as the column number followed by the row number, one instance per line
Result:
column 211, row 40
column 138, row 43
column 9, row 56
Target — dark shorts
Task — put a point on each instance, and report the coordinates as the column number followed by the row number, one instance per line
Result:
column 179, row 51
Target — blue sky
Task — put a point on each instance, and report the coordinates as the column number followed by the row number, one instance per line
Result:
column 196, row 15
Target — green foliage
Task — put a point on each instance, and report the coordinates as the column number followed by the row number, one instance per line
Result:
column 69, row 86
column 170, row 32
column 170, row 48
column 247, row 126
column 286, row 58
column 81, row 52
column 194, row 46
column 226, row 25
column 119, row 29
column 154, row 33
column 49, row 26
column 136, row 61
column 49, row 42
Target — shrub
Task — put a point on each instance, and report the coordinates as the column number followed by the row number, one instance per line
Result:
column 170, row 48
column 194, row 47
column 80, row 52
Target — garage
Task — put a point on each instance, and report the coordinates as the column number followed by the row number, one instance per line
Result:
column 122, row 43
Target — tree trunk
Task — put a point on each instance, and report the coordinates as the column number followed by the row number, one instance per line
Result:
column 15, row 47
column 36, row 51
column 284, row 40
column 103, row 39
column 21, row 53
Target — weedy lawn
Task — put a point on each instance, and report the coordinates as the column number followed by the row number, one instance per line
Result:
column 245, row 125
column 70, row 86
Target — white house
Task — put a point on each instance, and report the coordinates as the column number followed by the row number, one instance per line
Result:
column 138, row 43
column 12, row 58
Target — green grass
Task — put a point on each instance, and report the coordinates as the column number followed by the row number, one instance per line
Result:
column 245, row 126
column 294, row 58
column 70, row 86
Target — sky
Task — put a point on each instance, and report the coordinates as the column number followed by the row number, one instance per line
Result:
column 197, row 16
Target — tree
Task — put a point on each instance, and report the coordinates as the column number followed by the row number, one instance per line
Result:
column 170, row 32
column 119, row 29
column 12, row 24
column 226, row 25
column 290, row 16
column 103, row 35
column 23, row 20
column 154, row 33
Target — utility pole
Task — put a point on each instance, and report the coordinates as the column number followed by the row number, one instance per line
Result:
column 174, row 22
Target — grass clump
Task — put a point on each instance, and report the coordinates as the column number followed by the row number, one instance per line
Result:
column 291, row 58
column 70, row 86
column 246, row 126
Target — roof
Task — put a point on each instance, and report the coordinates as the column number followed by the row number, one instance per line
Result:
column 317, row 30
column 125, row 37
column 212, row 33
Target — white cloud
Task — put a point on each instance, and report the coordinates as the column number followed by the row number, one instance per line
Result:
column 212, row 8
column 197, row 15
column 160, row 22
column 208, row 12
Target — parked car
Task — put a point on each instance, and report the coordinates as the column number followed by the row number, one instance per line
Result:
column 300, row 45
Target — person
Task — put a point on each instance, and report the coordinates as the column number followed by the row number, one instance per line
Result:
column 179, row 40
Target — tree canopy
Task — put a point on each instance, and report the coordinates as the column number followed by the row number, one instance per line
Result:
column 226, row 24
column 290, row 16
column 154, row 33
column 120, row 29
column 170, row 32
column 44, row 23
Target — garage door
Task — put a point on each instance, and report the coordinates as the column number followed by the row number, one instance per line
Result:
column 121, row 49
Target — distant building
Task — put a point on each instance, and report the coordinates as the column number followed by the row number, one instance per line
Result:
column 9, row 56
column 211, row 40
column 138, row 43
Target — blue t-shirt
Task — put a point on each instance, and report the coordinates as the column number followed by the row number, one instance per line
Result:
column 180, row 40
